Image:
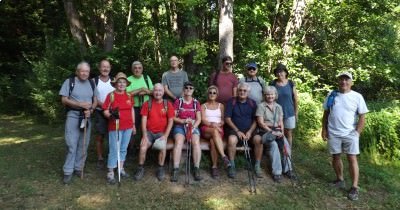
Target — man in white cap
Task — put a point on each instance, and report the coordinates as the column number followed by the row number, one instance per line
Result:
column 342, row 124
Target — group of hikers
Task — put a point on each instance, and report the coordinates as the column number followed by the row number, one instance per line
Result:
column 236, row 112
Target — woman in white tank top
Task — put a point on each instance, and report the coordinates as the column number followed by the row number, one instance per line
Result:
column 212, row 118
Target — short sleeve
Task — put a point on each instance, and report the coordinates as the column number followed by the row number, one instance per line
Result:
column 150, row 83
column 198, row 106
column 145, row 109
column 362, row 106
column 176, row 104
column 260, row 110
column 185, row 77
column 64, row 91
column 164, row 78
column 171, row 111
column 229, row 109
column 234, row 81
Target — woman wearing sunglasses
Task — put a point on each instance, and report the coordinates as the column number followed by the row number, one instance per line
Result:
column 187, row 115
column 212, row 115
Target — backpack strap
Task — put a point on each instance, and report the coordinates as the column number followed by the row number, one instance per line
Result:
column 71, row 84
column 331, row 99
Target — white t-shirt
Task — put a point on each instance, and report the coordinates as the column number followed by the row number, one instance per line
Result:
column 103, row 89
column 344, row 113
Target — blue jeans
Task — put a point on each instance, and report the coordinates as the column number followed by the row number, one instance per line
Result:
column 124, row 138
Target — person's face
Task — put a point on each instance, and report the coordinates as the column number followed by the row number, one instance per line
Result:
column 281, row 74
column 212, row 94
column 137, row 70
column 242, row 92
column 227, row 65
column 251, row 71
column 345, row 84
column 188, row 90
column 83, row 72
column 105, row 68
column 174, row 62
column 158, row 92
column 121, row 84
column 269, row 96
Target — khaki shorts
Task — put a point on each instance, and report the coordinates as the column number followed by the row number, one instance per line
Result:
column 344, row 144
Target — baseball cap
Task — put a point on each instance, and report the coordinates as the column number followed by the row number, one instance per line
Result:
column 346, row 74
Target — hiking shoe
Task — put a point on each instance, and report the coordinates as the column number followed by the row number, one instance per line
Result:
column 174, row 175
column 110, row 178
column 353, row 194
column 160, row 173
column 67, row 179
column 290, row 175
column 277, row 178
column 214, row 173
column 139, row 173
column 78, row 173
column 231, row 172
column 340, row 184
column 196, row 174
column 100, row 164
column 124, row 174
column 227, row 163
column 258, row 171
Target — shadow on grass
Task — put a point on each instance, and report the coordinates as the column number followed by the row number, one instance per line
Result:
column 31, row 158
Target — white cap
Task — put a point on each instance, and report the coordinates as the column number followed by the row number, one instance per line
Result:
column 347, row 74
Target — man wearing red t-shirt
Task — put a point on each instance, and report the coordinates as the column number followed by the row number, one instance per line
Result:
column 157, row 119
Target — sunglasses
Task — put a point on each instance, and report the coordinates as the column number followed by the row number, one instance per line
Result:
column 242, row 90
column 228, row 63
column 251, row 69
column 212, row 93
column 189, row 88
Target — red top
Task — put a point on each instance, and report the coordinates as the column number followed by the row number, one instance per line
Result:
column 157, row 119
column 125, row 104
column 226, row 82
column 187, row 110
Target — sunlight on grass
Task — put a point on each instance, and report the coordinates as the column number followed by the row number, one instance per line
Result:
column 219, row 203
column 93, row 201
column 9, row 141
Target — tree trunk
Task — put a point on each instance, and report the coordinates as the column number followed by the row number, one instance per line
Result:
column 75, row 25
column 108, row 22
column 295, row 21
column 188, row 33
column 128, row 20
column 156, row 26
column 225, row 29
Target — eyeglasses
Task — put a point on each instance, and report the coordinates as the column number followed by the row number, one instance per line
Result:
column 228, row 63
column 212, row 93
column 242, row 90
column 189, row 88
column 251, row 69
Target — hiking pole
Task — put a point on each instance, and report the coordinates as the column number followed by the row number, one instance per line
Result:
column 188, row 151
column 83, row 147
column 118, row 151
column 288, row 161
column 250, row 171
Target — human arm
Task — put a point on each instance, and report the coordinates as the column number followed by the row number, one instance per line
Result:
column 229, row 122
column 144, row 130
column 295, row 103
column 133, row 121
column 204, row 120
column 169, row 93
column 360, row 123
column 251, row 130
column 324, row 132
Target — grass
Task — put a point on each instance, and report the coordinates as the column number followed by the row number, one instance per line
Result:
column 32, row 155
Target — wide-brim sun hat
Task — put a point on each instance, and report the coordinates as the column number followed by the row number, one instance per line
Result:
column 120, row 75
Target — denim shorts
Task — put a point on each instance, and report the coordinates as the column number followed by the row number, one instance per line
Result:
column 179, row 129
column 289, row 123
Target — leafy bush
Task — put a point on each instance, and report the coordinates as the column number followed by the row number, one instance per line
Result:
column 382, row 130
column 310, row 115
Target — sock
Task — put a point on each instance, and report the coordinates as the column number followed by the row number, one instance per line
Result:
column 233, row 163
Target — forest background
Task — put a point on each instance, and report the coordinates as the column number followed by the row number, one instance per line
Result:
column 41, row 43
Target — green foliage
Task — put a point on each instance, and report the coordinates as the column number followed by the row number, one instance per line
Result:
column 382, row 130
column 310, row 115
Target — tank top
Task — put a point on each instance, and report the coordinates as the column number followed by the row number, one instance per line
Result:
column 213, row 115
